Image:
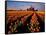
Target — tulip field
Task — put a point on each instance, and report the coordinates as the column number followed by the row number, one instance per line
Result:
column 24, row 21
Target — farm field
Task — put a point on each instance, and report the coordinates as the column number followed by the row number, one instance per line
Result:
column 26, row 17
column 21, row 13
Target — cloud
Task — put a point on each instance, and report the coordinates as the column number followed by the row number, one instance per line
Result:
column 18, row 8
column 11, row 8
column 23, row 6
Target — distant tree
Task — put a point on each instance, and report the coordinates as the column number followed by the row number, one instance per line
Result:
column 27, row 9
column 36, row 10
column 31, row 9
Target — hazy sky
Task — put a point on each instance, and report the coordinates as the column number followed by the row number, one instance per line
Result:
column 24, row 5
